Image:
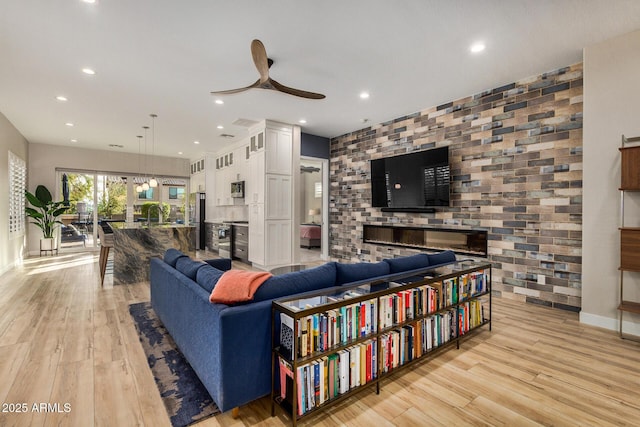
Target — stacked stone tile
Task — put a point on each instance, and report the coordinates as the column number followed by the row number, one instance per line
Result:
column 516, row 171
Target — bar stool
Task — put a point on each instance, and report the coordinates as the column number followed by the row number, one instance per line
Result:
column 105, row 233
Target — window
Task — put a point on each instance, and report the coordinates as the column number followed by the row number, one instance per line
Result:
column 17, row 187
column 176, row 193
column 146, row 194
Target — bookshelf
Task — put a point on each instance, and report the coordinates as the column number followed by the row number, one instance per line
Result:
column 629, row 236
column 329, row 345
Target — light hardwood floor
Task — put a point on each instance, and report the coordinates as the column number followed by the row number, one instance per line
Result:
column 65, row 339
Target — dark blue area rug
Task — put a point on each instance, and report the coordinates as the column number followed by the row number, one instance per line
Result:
column 184, row 396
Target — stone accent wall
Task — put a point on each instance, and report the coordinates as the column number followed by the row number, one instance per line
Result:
column 516, row 171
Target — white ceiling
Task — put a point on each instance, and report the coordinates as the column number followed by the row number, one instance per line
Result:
column 166, row 56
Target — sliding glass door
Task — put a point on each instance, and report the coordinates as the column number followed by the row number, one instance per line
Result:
column 95, row 197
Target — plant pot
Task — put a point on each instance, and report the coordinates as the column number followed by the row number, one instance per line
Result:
column 50, row 244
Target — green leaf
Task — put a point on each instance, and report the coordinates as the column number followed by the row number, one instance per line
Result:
column 33, row 200
column 59, row 211
column 32, row 213
column 43, row 194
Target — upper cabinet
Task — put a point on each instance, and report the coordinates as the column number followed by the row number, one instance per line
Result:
column 278, row 150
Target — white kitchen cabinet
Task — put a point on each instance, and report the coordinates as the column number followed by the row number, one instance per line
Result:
column 278, row 195
column 278, row 150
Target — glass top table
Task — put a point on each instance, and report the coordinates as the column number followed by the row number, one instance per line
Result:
column 335, row 294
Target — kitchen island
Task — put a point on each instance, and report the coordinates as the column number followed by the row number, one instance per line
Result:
column 134, row 244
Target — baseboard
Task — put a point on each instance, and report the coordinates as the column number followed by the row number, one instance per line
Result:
column 7, row 268
column 599, row 321
column 628, row 326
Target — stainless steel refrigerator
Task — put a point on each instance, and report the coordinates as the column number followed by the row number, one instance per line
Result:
column 197, row 208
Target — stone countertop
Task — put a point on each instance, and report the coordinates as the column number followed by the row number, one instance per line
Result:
column 134, row 246
column 143, row 224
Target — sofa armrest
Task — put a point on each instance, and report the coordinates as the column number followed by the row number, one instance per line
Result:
column 245, row 354
column 229, row 347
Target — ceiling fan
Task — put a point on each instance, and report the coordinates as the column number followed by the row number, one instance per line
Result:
column 263, row 63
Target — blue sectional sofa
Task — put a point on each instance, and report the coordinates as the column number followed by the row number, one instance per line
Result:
column 229, row 346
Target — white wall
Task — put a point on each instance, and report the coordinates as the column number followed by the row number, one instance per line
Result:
column 45, row 159
column 611, row 108
column 11, row 250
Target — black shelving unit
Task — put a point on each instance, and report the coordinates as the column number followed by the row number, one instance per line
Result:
column 443, row 284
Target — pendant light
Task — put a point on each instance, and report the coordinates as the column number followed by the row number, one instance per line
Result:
column 153, row 182
column 145, row 184
column 139, row 187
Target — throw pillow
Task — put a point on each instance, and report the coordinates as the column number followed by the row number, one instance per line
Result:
column 237, row 286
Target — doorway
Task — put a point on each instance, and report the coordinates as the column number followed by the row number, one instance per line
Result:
column 77, row 230
column 314, row 230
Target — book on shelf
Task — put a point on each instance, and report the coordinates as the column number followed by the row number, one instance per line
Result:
column 286, row 335
column 321, row 331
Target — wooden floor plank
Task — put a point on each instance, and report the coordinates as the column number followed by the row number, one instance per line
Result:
column 116, row 400
column 71, row 399
column 64, row 337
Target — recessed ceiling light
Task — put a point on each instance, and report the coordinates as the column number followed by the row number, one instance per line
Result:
column 69, row 124
column 196, row 142
column 364, row 95
column 88, row 71
column 302, row 121
column 89, row 1
column 219, row 101
column 477, row 47
column 61, row 98
column 220, row 127
column 74, row 140
column 179, row 152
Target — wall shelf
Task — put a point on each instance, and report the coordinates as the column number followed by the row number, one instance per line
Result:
column 629, row 236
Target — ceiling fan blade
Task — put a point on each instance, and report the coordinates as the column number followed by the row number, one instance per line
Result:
column 259, row 54
column 296, row 92
column 242, row 89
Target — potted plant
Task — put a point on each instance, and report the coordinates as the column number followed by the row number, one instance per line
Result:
column 45, row 213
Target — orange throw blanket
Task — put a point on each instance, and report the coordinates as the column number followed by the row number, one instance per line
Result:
column 237, row 286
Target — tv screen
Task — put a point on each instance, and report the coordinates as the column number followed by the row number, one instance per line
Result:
column 416, row 181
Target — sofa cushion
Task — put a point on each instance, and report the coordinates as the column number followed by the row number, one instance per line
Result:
column 207, row 277
column 189, row 267
column 172, row 255
column 296, row 282
column 406, row 263
column 223, row 264
column 442, row 257
column 347, row 273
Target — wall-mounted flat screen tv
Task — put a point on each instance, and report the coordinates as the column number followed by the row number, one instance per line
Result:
column 414, row 182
